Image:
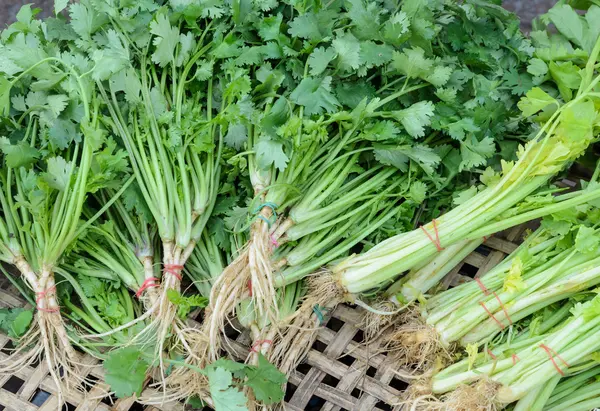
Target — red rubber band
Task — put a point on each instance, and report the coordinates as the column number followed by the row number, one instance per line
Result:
column 436, row 240
column 483, row 287
column 492, row 355
column 258, row 344
column 492, row 315
column 40, row 296
column 249, row 285
column 550, row 353
column 274, row 241
column 174, row 270
column 149, row 283
column 485, row 238
column 515, row 358
column 503, row 307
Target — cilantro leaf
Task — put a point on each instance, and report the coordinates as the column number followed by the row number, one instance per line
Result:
column 266, row 381
column 535, row 100
column 15, row 321
column 315, row 95
column 126, row 371
column 224, row 395
column 18, row 155
column 416, row 117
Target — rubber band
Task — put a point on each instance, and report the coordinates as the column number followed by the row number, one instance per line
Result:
column 550, row 353
column 515, row 359
column 319, row 313
column 258, row 344
column 272, row 206
column 492, row 354
column 274, row 241
column 483, row 287
column 503, row 307
column 492, row 315
column 174, row 270
column 40, row 296
column 485, row 238
column 250, row 287
column 265, row 219
column 148, row 283
column 436, row 240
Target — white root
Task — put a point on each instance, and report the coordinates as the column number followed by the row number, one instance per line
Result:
column 294, row 342
column 47, row 338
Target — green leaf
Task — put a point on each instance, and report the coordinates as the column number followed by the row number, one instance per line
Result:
column 57, row 174
column 315, row 95
column 569, row 23
column 269, row 152
column 236, row 136
column 474, row 152
column 537, row 67
column 375, row 55
column 185, row 303
column 225, row 396
column 60, row 5
column 18, row 155
column 266, row 381
column 166, row 40
column 416, row 117
column 347, row 49
column 567, row 76
column 15, row 321
column 535, row 100
column 586, row 240
column 126, row 371
column 319, row 59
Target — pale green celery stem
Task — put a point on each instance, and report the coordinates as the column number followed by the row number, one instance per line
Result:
column 495, row 279
column 423, row 280
column 523, row 307
column 571, row 384
column 573, row 342
column 516, row 386
column 462, row 322
column 124, row 275
column 584, row 398
column 184, row 206
column 310, row 245
column 452, row 295
column 340, row 204
column 537, row 397
column 357, row 278
column 293, row 275
column 333, row 180
column 369, row 272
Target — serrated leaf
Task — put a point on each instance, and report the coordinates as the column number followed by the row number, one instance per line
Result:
column 225, row 396
column 535, row 100
column 126, row 371
column 18, row 155
column 266, row 381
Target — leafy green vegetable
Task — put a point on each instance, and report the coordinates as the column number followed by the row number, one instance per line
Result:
column 126, row 371
column 15, row 321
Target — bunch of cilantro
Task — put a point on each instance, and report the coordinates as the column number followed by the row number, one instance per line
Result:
column 265, row 139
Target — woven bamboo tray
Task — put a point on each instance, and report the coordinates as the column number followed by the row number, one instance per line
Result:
column 340, row 372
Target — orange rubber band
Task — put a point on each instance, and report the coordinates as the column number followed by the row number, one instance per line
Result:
column 40, row 296
column 492, row 315
column 258, row 344
column 550, row 353
column 492, row 355
column 436, row 240
column 503, row 307
column 515, row 358
column 483, row 287
column 249, row 284
column 148, row 283
column 174, row 270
